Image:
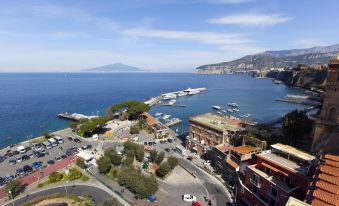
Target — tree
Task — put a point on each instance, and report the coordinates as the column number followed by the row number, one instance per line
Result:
column 47, row 135
column 128, row 162
column 135, row 129
column 114, row 157
column 55, row 177
column 295, row 127
column 133, row 108
column 160, row 158
column 81, row 163
column 172, row 161
column 110, row 202
column 104, row 164
column 14, row 188
column 153, row 155
column 163, row 170
column 74, row 174
column 140, row 153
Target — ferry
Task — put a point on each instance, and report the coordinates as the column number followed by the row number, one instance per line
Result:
column 233, row 104
column 216, row 107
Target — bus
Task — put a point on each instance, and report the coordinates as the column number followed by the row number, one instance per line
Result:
column 180, row 149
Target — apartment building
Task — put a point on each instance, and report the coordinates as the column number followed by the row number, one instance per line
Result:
column 209, row 130
column 277, row 174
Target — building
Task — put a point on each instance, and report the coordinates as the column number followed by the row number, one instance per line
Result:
column 324, row 187
column 277, row 174
column 328, row 120
column 209, row 130
column 161, row 131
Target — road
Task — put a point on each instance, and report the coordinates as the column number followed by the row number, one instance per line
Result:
column 97, row 194
column 217, row 192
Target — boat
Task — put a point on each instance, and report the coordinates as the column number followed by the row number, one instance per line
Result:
column 216, row 107
column 167, row 116
column 236, row 110
column 229, row 110
column 248, row 114
column 277, row 81
column 233, row 104
column 158, row 114
column 169, row 96
column 180, row 94
column 172, row 102
column 219, row 113
column 193, row 93
column 224, row 111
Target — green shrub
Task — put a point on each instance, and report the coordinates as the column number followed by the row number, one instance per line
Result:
column 14, row 187
column 55, row 177
column 172, row 161
column 135, row 129
column 74, row 174
column 84, row 178
column 111, row 202
column 104, row 164
column 163, row 170
column 81, row 163
column 160, row 158
column 128, row 162
column 113, row 173
column 153, row 155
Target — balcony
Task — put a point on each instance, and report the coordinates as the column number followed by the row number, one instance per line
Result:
column 255, row 183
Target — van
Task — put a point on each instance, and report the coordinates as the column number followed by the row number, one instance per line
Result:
column 22, row 149
column 47, row 145
column 181, row 150
column 53, row 142
column 59, row 139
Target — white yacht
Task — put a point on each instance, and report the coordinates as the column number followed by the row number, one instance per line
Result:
column 167, row 116
column 224, row 111
column 233, row 104
column 169, row 96
column 172, row 102
column 236, row 110
column 158, row 114
column 229, row 110
column 216, row 107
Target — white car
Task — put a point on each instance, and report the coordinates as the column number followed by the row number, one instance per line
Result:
column 207, row 162
column 189, row 198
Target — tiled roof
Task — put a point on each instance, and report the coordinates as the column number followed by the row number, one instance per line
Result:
column 151, row 121
column 324, row 188
column 222, row 148
column 232, row 163
column 244, row 149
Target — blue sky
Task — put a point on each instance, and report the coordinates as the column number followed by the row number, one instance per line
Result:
column 157, row 35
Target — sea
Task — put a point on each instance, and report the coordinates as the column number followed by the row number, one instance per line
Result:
column 29, row 102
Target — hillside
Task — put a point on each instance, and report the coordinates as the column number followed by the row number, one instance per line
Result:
column 117, row 67
column 274, row 59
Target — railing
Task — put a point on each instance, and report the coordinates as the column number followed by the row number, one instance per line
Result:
column 255, row 183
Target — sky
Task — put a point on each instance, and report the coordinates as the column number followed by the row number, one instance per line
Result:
column 156, row 35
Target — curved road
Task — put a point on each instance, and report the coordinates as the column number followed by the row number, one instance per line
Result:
column 99, row 195
column 217, row 191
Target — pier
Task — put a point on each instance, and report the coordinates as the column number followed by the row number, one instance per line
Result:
column 74, row 116
column 173, row 105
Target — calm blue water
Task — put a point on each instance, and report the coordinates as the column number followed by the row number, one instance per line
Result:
column 29, row 102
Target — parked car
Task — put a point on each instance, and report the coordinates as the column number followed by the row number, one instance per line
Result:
column 27, row 169
column 190, row 158
column 50, row 162
column 37, row 165
column 25, row 157
column 72, row 151
column 19, row 159
column 9, row 178
column 58, row 158
column 167, row 150
column 63, row 156
column 12, row 162
column 2, row 158
column 19, row 172
column 39, row 154
column 145, row 143
column 31, row 155
column 77, row 140
column 207, row 162
column 2, row 181
column 188, row 198
column 169, row 140
column 70, row 138
column 15, row 152
column 38, row 147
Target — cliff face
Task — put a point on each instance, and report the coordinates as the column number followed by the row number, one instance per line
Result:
column 305, row 79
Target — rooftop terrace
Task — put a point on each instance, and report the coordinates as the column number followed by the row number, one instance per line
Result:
column 297, row 167
column 218, row 122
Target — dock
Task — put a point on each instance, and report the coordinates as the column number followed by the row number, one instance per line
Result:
column 173, row 122
column 173, row 105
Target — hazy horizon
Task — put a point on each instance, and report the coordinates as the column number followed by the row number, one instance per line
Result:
column 175, row 35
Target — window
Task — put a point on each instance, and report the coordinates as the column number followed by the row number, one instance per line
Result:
column 274, row 192
column 254, row 189
column 268, row 171
column 332, row 115
column 288, row 181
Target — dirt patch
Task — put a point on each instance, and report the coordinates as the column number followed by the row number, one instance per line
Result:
column 69, row 202
column 180, row 176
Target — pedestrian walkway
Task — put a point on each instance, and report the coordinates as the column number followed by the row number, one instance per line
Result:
column 36, row 176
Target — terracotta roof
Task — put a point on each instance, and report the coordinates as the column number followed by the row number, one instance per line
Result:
column 324, row 188
column 232, row 163
column 222, row 148
column 244, row 149
column 150, row 120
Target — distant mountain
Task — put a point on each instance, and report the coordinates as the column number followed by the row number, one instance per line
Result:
column 274, row 59
column 117, row 67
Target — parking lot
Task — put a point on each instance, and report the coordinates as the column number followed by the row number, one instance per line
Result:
column 51, row 154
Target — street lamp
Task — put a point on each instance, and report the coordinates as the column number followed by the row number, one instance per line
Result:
column 66, row 187
column 10, row 192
